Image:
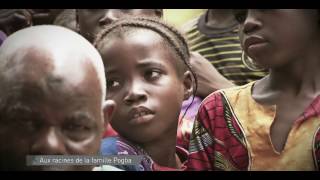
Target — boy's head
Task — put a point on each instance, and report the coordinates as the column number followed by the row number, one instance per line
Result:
column 51, row 96
column 148, row 75
column 91, row 21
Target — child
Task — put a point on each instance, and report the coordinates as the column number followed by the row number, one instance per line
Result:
column 149, row 76
column 273, row 123
column 214, row 35
column 51, row 97
column 91, row 21
column 219, row 64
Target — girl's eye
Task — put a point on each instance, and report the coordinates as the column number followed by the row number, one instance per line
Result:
column 152, row 75
column 240, row 15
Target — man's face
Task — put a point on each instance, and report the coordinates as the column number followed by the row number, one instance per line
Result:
column 46, row 109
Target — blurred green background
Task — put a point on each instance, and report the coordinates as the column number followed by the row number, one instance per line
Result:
column 179, row 17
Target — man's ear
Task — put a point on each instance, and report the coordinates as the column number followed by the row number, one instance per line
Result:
column 109, row 107
column 188, row 82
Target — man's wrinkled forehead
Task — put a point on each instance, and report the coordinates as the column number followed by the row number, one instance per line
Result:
column 41, row 50
column 40, row 64
column 38, row 70
column 29, row 60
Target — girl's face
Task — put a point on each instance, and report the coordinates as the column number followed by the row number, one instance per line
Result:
column 91, row 21
column 142, row 78
column 274, row 37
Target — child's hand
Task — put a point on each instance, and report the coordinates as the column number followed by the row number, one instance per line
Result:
column 209, row 79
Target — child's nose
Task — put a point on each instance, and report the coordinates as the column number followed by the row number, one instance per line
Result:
column 251, row 23
column 48, row 143
column 136, row 94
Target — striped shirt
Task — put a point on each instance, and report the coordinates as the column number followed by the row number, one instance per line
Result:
column 222, row 48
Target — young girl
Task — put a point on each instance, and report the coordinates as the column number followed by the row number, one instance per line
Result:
column 273, row 123
column 149, row 76
column 91, row 21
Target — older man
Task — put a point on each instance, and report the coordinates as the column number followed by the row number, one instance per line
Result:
column 52, row 91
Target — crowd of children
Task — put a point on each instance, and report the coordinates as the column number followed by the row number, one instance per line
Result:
column 238, row 90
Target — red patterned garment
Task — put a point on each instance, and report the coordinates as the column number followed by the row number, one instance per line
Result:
column 231, row 132
column 109, row 132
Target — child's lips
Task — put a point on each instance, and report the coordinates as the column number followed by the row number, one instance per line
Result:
column 141, row 119
column 140, row 115
column 254, row 43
